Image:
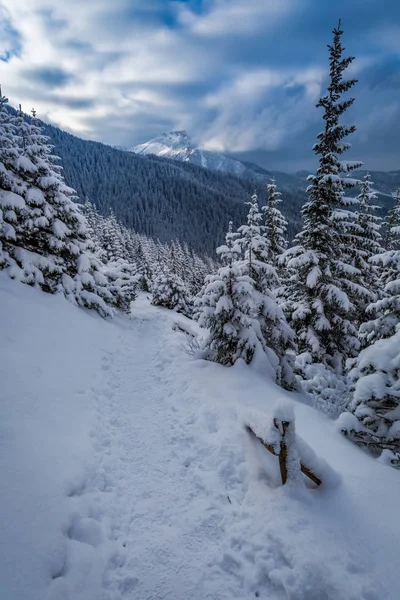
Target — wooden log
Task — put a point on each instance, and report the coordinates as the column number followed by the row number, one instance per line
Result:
column 282, row 455
column 310, row 474
column 269, row 447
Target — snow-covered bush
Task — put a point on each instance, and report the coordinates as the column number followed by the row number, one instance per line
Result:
column 329, row 391
column 170, row 292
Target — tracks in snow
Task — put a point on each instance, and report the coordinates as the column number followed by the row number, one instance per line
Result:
column 142, row 523
column 177, row 504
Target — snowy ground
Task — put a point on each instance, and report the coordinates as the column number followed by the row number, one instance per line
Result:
column 126, row 472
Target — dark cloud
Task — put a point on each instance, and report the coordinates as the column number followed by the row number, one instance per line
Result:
column 10, row 38
column 51, row 77
column 242, row 77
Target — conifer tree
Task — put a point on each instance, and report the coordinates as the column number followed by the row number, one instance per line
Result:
column 123, row 282
column 374, row 421
column 368, row 239
column 144, row 269
column 51, row 233
column 112, row 241
column 226, row 308
column 50, row 245
column 12, row 187
column 320, row 295
column 275, row 226
column 385, row 312
column 392, row 223
column 375, row 407
column 170, row 292
column 94, row 228
column 276, row 334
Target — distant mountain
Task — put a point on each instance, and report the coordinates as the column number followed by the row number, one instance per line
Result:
column 161, row 197
column 178, row 145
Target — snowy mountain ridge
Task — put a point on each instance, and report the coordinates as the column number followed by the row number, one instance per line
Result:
column 178, row 145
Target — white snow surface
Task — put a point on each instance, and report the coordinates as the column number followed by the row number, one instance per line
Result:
column 127, row 473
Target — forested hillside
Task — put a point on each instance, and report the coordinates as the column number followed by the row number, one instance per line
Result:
column 162, row 198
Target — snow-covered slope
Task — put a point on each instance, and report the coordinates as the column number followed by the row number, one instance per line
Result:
column 126, row 472
column 178, row 145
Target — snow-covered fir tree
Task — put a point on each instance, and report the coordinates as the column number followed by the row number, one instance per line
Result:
column 50, row 246
column 275, row 225
column 170, row 292
column 385, row 312
column 321, row 295
column 112, row 239
column 226, row 307
column 123, row 282
column 392, row 223
column 368, row 241
column 276, row 334
column 12, row 187
column 374, row 420
column 144, row 269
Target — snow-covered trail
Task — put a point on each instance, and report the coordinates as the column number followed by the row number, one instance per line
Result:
column 151, row 488
column 140, row 525
column 178, row 505
column 154, row 508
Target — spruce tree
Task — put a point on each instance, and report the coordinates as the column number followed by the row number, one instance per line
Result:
column 144, row 270
column 375, row 406
column 320, row 295
column 50, row 246
column 169, row 291
column 392, row 223
column 369, row 240
column 12, row 187
column 226, row 307
column 94, row 228
column 374, row 420
column 275, row 225
column 51, row 233
column 111, row 239
column 276, row 334
column 123, row 282
column 385, row 312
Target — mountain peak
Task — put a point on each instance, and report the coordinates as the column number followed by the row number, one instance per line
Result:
column 174, row 144
column 178, row 145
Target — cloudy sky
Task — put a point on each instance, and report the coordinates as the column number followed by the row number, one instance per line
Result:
column 241, row 76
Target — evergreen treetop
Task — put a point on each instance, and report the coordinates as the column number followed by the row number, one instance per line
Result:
column 275, row 224
column 323, row 290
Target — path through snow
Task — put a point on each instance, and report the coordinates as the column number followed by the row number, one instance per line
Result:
column 175, row 500
column 180, row 504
